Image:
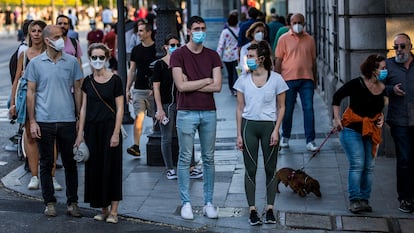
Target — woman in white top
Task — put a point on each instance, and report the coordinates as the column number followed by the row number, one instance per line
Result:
column 259, row 114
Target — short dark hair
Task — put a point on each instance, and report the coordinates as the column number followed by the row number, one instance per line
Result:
column 194, row 19
column 370, row 64
column 288, row 18
column 148, row 27
column 253, row 12
column 63, row 16
column 169, row 37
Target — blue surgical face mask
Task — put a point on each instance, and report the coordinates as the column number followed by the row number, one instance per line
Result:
column 251, row 63
column 171, row 49
column 382, row 75
column 198, row 37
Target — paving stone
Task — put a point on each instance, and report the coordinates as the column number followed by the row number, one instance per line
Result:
column 406, row 225
column 308, row 221
column 364, row 224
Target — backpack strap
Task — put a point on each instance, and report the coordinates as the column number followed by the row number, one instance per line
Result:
column 75, row 45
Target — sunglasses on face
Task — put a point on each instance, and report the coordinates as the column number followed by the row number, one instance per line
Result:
column 102, row 58
column 174, row 45
column 402, row 46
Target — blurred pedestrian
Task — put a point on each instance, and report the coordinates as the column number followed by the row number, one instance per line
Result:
column 259, row 114
column 72, row 46
column 256, row 33
column 100, row 127
column 274, row 26
column 95, row 35
column 165, row 98
column 360, row 127
column 107, row 17
column 227, row 48
column 281, row 31
column 252, row 13
column 142, row 96
column 296, row 62
column 110, row 40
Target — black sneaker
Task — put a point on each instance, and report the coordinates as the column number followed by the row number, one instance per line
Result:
column 365, row 206
column 406, row 206
column 134, row 150
column 254, row 218
column 270, row 217
column 355, row 206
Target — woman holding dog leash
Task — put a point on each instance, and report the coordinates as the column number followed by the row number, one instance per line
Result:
column 360, row 128
column 259, row 114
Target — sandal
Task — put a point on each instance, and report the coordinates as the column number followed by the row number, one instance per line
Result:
column 100, row 217
column 112, row 219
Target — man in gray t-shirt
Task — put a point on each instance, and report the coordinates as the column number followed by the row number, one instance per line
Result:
column 52, row 114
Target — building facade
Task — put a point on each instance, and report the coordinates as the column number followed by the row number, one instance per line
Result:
column 346, row 32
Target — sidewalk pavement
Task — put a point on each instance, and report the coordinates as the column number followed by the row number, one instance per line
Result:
column 148, row 195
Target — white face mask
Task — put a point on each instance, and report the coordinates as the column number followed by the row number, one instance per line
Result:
column 297, row 28
column 97, row 64
column 258, row 36
column 58, row 44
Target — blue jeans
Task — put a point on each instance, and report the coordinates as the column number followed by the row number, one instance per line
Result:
column 167, row 132
column 188, row 122
column 64, row 134
column 404, row 148
column 305, row 88
column 358, row 149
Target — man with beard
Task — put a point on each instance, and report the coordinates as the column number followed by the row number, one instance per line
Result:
column 72, row 46
column 400, row 90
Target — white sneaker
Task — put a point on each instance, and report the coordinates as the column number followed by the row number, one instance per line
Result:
column 284, row 143
column 196, row 173
column 187, row 211
column 210, row 211
column 34, row 183
column 171, row 175
column 311, row 146
column 56, row 185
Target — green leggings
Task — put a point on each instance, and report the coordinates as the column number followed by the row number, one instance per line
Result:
column 252, row 133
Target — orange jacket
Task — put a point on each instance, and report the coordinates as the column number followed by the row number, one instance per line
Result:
column 369, row 127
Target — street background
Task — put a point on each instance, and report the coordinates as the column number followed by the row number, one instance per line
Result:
column 151, row 202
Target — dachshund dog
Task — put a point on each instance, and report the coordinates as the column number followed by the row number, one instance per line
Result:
column 300, row 182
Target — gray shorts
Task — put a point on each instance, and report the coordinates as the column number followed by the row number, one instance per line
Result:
column 142, row 101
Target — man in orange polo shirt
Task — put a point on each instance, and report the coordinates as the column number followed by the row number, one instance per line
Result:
column 296, row 62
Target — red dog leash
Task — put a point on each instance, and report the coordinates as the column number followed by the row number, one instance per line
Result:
column 334, row 130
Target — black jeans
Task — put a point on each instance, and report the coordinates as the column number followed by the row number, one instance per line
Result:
column 64, row 134
column 231, row 73
column 404, row 148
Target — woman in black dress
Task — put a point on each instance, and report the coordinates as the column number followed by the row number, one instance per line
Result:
column 100, row 127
